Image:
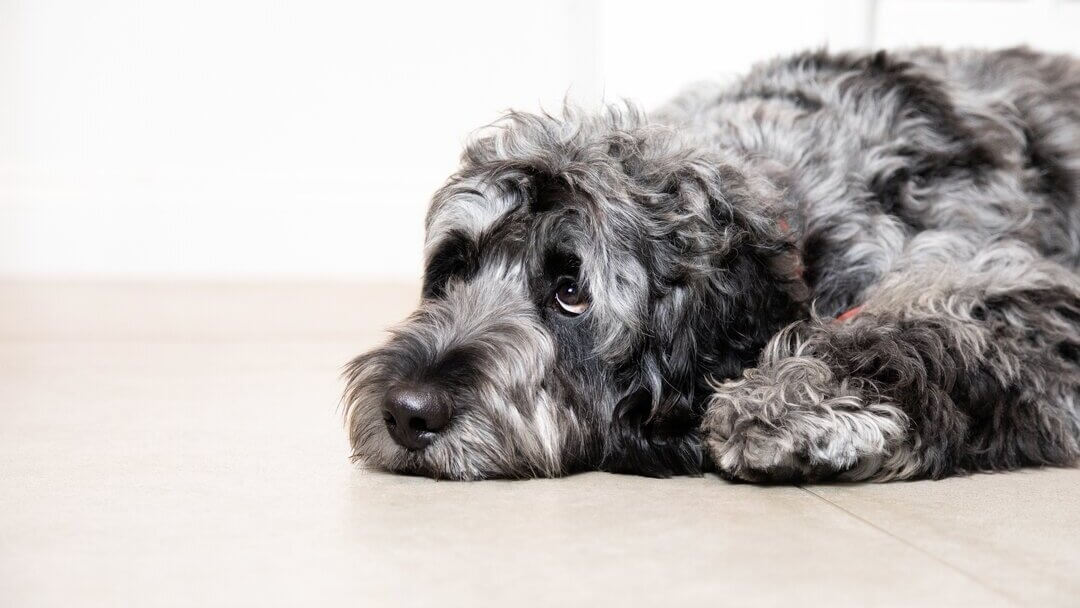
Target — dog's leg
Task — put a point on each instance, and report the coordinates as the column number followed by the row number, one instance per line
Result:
column 944, row 370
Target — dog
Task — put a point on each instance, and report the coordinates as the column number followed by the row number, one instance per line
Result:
column 839, row 267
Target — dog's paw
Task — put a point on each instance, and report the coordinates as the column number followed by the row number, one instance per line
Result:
column 755, row 449
column 796, row 423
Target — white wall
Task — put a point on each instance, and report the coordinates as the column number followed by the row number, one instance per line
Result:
column 241, row 138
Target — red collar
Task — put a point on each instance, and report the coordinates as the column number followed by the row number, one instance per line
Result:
column 848, row 314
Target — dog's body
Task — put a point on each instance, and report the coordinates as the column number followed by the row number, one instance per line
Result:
column 856, row 267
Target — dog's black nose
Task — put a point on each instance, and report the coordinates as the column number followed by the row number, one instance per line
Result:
column 414, row 414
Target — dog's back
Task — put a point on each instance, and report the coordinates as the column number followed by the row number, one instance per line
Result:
column 875, row 149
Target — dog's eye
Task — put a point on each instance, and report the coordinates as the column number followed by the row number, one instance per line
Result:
column 570, row 296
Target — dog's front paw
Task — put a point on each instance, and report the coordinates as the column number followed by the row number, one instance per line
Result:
column 754, row 448
column 795, row 422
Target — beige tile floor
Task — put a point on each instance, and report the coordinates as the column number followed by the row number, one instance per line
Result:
column 166, row 444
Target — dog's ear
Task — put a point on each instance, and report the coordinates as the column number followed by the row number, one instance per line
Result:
column 655, row 422
column 735, row 260
column 724, row 279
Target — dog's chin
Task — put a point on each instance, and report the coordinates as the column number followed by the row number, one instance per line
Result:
column 398, row 460
column 449, row 457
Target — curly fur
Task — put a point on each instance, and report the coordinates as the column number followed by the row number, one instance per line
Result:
column 718, row 240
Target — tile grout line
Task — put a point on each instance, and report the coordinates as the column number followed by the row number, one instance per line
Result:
column 1012, row 600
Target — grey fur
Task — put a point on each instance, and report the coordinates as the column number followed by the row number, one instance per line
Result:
column 719, row 239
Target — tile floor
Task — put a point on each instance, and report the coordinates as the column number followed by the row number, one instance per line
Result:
column 180, row 444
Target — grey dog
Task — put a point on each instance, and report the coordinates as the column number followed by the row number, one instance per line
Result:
column 841, row 266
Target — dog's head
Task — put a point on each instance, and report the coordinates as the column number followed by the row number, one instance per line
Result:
column 585, row 278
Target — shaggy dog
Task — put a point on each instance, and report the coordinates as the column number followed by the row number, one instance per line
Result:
column 841, row 266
